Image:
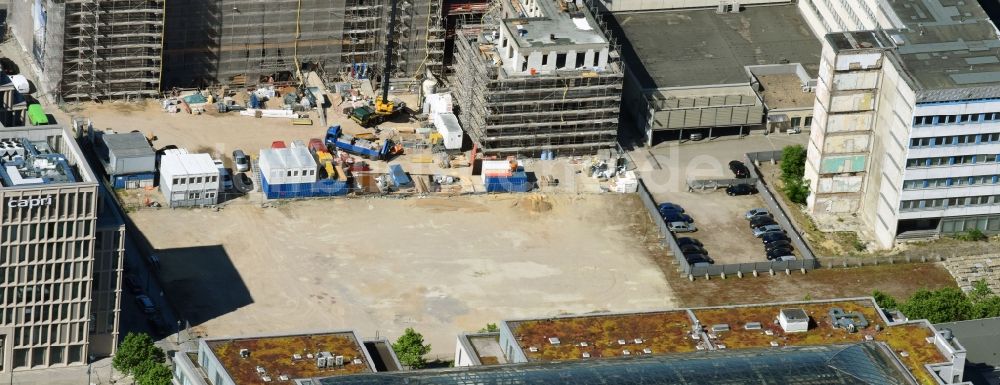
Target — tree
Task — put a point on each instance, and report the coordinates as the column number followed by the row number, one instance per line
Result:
column 980, row 291
column 490, row 328
column 136, row 349
column 793, row 162
column 943, row 305
column 157, row 374
column 410, row 349
column 797, row 190
column 986, row 308
column 884, row 300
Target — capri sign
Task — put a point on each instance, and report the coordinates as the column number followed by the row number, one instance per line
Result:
column 29, row 202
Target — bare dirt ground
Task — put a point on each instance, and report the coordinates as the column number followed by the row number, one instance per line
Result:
column 898, row 280
column 380, row 265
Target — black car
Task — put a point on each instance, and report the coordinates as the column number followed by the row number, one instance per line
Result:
column 778, row 253
column 761, row 221
column 696, row 258
column 770, row 238
column 677, row 217
column 132, row 283
column 693, row 249
column 688, row 241
column 741, row 189
column 158, row 325
column 9, row 67
column 778, row 245
column 739, row 169
column 667, row 206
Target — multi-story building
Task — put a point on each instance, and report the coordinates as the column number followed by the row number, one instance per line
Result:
column 843, row 341
column 48, row 221
column 109, row 259
column 545, row 77
column 906, row 130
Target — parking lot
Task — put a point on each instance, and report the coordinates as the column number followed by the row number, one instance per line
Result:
column 381, row 265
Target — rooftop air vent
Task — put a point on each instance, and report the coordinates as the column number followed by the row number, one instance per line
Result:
column 554, row 340
column 244, row 353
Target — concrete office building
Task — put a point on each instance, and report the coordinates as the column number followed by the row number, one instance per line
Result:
column 48, row 220
column 709, row 73
column 906, row 131
column 109, row 262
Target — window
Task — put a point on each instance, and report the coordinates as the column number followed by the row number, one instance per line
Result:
column 177, row 181
column 545, row 60
column 560, row 60
column 795, row 121
column 808, row 122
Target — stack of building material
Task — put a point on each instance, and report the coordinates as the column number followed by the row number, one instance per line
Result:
column 627, row 183
column 504, row 176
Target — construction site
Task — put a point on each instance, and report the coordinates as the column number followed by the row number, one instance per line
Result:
column 93, row 49
column 544, row 77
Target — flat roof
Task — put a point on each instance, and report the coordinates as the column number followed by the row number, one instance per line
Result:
column 40, row 155
column 182, row 164
column 666, row 332
column 275, row 354
column 941, row 44
column 486, row 347
column 697, row 47
column 128, row 145
column 556, row 27
column 980, row 339
column 783, row 91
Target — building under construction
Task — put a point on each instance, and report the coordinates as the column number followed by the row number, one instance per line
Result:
column 542, row 77
column 246, row 42
column 92, row 49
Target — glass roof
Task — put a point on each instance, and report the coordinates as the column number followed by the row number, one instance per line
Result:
column 868, row 363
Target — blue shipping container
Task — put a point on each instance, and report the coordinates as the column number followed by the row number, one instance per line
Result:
column 321, row 188
column 517, row 182
column 399, row 177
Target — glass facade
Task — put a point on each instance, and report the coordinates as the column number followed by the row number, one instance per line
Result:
column 869, row 363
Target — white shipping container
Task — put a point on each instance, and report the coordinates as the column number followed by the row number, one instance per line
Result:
column 287, row 165
column 447, row 125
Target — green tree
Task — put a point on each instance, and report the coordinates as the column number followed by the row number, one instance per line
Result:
column 410, row 349
column 986, row 308
column 793, row 162
column 980, row 291
column 134, row 350
column 157, row 374
column 490, row 328
column 943, row 305
column 797, row 190
column 884, row 300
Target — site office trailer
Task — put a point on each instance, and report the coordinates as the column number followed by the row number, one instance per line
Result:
column 47, row 235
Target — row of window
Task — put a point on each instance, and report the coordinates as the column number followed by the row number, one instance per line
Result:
column 943, row 203
column 197, row 195
column 43, row 272
column 196, row 180
column 50, row 231
column 61, row 206
column 955, row 140
column 44, row 356
column 927, row 120
column 32, row 253
column 950, row 182
column 950, row 160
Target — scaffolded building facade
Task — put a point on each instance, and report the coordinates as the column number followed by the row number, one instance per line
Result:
column 548, row 79
column 247, row 42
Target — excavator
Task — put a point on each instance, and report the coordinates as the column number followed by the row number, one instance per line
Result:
column 368, row 116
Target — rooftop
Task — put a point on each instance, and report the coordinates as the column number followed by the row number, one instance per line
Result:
column 39, row 155
column 942, row 45
column 784, row 91
column 486, row 347
column 127, row 145
column 722, row 328
column 293, row 356
column 867, row 363
column 695, row 47
column 554, row 23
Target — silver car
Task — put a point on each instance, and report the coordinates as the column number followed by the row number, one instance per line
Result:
column 681, row 227
column 760, row 231
column 241, row 160
column 753, row 213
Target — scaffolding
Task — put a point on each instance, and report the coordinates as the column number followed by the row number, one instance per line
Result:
column 569, row 112
column 112, row 49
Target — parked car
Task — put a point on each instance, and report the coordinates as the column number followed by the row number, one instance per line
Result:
column 785, row 258
column 667, row 206
column 225, row 177
column 739, row 169
column 677, row 217
column 778, row 253
column 696, row 258
column 761, row 221
column 241, row 160
column 777, row 245
column 773, row 237
column 158, row 325
column 758, row 212
column 681, row 241
column 693, row 249
column 132, row 283
column 759, row 231
column 278, row 144
column 145, row 304
column 741, row 189
column 681, row 227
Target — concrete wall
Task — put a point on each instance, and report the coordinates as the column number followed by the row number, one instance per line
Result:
column 48, row 68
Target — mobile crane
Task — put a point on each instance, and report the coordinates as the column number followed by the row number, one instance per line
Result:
column 368, row 116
